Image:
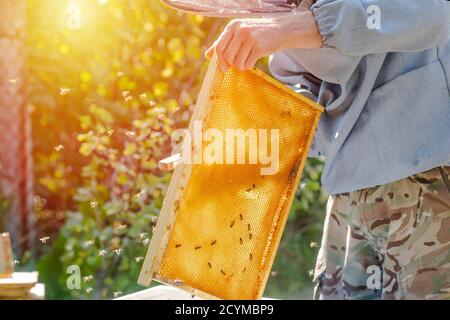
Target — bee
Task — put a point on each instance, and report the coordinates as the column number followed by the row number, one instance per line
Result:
column 64, row 91
column 232, row 224
column 44, row 239
column 213, row 242
column 121, row 227
column 209, row 265
column 223, row 272
column 88, row 243
column 251, row 257
column 143, row 235
column 59, row 148
column 241, row 217
column 248, row 227
column 240, row 240
column 250, row 236
column 176, row 205
column 198, row 247
column 177, row 245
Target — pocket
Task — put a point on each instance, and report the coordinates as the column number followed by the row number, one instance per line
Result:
column 427, row 277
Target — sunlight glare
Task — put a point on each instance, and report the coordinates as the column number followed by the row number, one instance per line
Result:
column 73, row 16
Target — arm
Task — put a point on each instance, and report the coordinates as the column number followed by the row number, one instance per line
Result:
column 404, row 25
column 244, row 41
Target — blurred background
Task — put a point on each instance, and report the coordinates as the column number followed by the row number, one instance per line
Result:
column 90, row 91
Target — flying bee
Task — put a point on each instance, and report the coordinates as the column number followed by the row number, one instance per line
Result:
column 143, row 235
column 121, row 227
column 313, row 244
column 44, row 239
column 88, row 243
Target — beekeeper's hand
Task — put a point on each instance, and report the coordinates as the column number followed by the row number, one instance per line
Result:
column 244, row 41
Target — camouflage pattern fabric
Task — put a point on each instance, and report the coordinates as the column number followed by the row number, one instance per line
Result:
column 388, row 242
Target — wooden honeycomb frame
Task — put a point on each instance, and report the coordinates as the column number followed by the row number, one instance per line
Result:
column 180, row 179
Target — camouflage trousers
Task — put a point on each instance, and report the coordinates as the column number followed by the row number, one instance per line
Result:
column 388, row 242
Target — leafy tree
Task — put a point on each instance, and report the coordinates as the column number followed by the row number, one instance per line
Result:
column 108, row 87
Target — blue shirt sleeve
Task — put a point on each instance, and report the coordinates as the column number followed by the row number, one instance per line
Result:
column 404, row 25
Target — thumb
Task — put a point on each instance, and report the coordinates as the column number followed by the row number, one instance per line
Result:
column 209, row 53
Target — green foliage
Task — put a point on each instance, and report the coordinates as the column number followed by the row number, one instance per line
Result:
column 117, row 202
column 104, row 101
column 4, row 207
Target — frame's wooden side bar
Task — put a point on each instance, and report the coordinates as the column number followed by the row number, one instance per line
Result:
column 179, row 180
column 285, row 211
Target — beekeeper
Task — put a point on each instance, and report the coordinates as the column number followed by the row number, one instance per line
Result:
column 381, row 69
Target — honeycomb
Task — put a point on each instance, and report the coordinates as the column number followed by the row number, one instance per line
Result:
column 228, row 218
